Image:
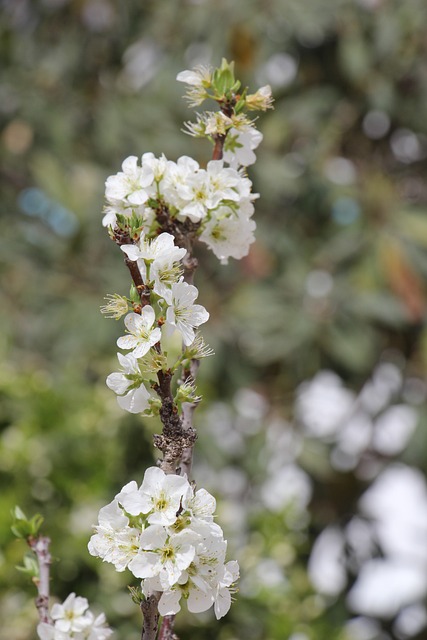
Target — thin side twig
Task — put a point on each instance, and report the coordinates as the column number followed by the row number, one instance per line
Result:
column 40, row 546
column 166, row 630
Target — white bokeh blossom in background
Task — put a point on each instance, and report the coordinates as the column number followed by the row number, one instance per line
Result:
column 73, row 620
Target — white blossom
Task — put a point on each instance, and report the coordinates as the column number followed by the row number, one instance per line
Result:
column 217, row 123
column 141, row 336
column 70, row 615
column 150, row 251
column 223, row 182
column 73, row 620
column 114, row 541
column 156, row 165
column 196, row 196
column 164, row 533
column 132, row 395
column 163, row 555
column 199, row 79
column 229, row 234
column 161, row 495
column 240, row 144
column 261, row 100
column 205, row 582
column 129, row 186
column 229, row 575
column 174, row 183
column 202, row 505
column 182, row 314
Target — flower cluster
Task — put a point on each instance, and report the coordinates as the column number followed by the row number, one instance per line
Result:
column 238, row 131
column 217, row 200
column 204, row 82
column 173, row 310
column 164, row 533
column 72, row 620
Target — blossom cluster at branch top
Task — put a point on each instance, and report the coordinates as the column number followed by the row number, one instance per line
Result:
column 237, row 131
column 73, row 620
column 216, row 200
column 164, row 533
column 172, row 309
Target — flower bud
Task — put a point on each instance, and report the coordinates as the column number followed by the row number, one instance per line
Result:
column 261, row 100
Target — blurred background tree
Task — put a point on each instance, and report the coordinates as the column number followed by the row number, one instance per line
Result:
column 321, row 347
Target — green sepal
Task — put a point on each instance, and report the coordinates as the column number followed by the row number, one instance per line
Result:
column 241, row 103
column 136, row 379
column 155, row 406
column 236, row 86
column 153, row 203
column 134, row 295
column 132, row 225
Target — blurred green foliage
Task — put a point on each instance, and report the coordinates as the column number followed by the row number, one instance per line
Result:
column 337, row 275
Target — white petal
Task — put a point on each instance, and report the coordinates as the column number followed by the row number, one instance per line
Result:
column 232, row 571
column 153, row 480
column 127, row 342
column 130, row 487
column 115, row 188
column 112, row 516
column 169, row 602
column 199, row 601
column 131, row 250
column 187, row 333
column 148, row 316
column 189, row 77
column 129, row 165
column 117, row 382
column 203, row 504
column 133, row 322
column 138, row 197
column 184, row 557
column 45, row 631
column 128, row 362
column 222, row 603
column 141, row 349
column 187, row 163
column 134, row 503
column 154, row 537
column 136, row 401
column 199, row 315
column 145, row 565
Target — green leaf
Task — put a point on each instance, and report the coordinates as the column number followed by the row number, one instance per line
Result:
column 30, row 566
column 22, row 527
column 223, row 78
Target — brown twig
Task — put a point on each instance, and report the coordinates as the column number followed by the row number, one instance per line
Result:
column 121, row 238
column 150, row 615
column 40, row 546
